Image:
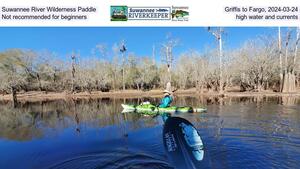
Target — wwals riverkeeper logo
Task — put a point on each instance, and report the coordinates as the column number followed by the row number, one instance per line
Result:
column 149, row 13
column 118, row 13
column 124, row 13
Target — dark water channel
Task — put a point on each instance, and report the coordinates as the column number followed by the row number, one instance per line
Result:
column 236, row 132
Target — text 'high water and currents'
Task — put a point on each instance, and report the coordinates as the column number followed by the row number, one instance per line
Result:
column 266, row 13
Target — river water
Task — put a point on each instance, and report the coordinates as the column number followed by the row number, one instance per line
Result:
column 237, row 133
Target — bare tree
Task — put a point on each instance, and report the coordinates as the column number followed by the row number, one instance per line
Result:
column 255, row 64
column 184, row 71
column 289, row 78
column 218, row 35
column 153, row 54
column 73, row 57
column 133, row 77
column 102, row 48
column 148, row 73
column 11, row 74
column 123, row 50
column 296, row 52
column 167, row 54
column 280, row 60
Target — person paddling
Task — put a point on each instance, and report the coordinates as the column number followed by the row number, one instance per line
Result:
column 166, row 100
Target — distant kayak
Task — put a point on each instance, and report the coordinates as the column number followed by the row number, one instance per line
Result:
column 147, row 108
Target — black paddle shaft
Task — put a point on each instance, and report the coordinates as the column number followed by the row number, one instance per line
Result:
column 182, row 153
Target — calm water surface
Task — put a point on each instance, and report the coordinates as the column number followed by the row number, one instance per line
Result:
column 237, row 133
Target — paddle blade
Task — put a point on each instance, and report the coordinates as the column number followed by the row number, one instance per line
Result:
column 182, row 143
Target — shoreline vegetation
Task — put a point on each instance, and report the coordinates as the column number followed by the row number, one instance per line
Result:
column 267, row 65
column 36, row 96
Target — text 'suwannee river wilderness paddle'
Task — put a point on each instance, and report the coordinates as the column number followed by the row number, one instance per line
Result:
column 182, row 143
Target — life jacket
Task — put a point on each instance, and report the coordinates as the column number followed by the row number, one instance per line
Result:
column 166, row 101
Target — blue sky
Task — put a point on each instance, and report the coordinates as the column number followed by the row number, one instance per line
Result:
column 139, row 40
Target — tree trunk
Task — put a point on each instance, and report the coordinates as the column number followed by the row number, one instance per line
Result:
column 280, row 61
column 201, row 89
column 289, row 82
column 14, row 96
column 295, row 57
column 221, row 64
column 259, row 87
column 289, row 78
column 137, row 86
column 114, row 82
column 170, row 74
column 123, row 71
column 169, row 86
column 142, row 85
column 97, row 85
column 39, row 81
column 54, row 77
column 73, row 72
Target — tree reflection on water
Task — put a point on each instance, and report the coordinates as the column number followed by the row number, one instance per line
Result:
column 37, row 119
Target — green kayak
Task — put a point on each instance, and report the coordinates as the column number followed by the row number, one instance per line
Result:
column 147, row 108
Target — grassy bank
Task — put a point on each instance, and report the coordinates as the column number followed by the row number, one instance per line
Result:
column 43, row 96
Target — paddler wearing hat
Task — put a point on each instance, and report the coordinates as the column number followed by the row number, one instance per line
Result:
column 167, row 99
